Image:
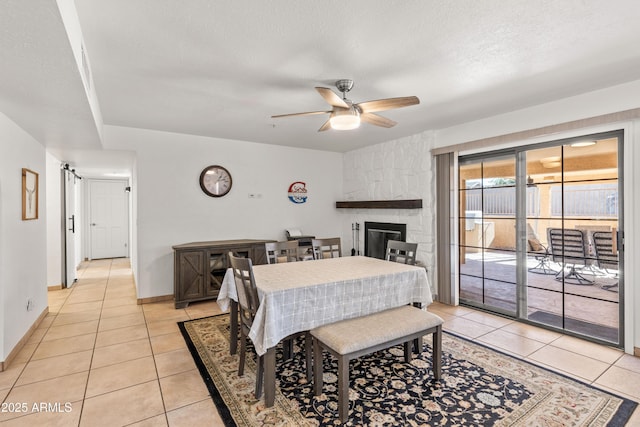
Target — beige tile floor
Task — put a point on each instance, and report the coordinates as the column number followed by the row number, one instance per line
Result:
column 110, row 362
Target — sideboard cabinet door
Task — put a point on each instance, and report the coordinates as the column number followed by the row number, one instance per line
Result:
column 189, row 278
column 199, row 267
column 218, row 264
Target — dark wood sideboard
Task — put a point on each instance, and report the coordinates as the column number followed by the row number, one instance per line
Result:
column 199, row 267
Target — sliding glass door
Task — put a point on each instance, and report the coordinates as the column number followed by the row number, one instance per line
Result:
column 487, row 232
column 541, row 234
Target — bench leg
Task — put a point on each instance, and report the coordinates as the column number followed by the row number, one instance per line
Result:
column 408, row 348
column 437, row 352
column 417, row 345
column 317, row 367
column 343, row 388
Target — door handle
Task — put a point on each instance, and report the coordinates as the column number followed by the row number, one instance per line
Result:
column 73, row 223
column 93, row 224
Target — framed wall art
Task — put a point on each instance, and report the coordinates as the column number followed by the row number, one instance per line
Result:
column 29, row 194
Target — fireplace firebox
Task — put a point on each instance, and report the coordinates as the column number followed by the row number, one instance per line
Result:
column 377, row 234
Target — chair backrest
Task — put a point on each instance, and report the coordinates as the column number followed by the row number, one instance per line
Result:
column 326, row 248
column 246, row 289
column 606, row 255
column 588, row 231
column 567, row 245
column 281, row 251
column 401, row 252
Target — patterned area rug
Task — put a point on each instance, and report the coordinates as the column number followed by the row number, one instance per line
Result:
column 479, row 387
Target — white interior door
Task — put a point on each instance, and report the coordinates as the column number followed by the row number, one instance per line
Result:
column 108, row 218
column 70, row 229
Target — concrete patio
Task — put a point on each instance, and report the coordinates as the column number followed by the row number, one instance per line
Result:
column 588, row 309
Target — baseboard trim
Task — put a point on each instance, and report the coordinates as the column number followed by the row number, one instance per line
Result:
column 155, row 299
column 636, row 351
column 55, row 287
column 16, row 349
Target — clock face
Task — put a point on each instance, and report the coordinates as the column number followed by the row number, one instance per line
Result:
column 215, row 181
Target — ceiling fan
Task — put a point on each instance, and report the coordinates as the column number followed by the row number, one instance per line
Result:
column 346, row 115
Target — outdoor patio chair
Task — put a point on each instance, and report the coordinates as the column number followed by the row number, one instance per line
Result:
column 568, row 247
column 606, row 255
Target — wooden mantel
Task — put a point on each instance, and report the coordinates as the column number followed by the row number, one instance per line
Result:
column 381, row 204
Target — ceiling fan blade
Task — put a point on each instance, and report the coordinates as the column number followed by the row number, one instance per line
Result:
column 325, row 126
column 377, row 120
column 331, row 97
column 387, row 104
column 310, row 113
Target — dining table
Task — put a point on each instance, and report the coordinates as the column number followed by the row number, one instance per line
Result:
column 299, row 296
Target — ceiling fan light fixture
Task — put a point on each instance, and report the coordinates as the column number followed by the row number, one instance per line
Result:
column 345, row 119
column 345, row 115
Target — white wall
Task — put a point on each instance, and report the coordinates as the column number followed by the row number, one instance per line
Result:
column 54, row 232
column 617, row 98
column 172, row 209
column 399, row 169
column 23, row 244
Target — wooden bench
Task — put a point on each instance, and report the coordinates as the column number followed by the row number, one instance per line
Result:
column 352, row 338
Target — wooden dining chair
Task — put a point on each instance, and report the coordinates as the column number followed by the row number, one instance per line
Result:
column 402, row 252
column 248, row 304
column 326, row 248
column 281, row 251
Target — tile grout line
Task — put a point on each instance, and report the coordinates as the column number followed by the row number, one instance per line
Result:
column 549, row 344
column 155, row 366
column 86, row 386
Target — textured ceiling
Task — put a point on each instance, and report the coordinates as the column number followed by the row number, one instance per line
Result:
column 222, row 68
column 40, row 85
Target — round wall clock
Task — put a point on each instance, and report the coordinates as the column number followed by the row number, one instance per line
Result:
column 215, row 181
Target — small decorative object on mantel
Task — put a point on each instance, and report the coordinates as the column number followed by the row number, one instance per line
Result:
column 381, row 204
column 29, row 194
column 298, row 192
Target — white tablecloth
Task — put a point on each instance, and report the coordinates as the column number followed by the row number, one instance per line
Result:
column 300, row 296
